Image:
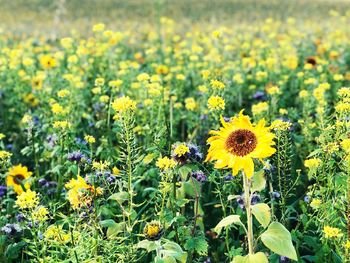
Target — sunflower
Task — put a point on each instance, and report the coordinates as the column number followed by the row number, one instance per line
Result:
column 16, row 177
column 238, row 142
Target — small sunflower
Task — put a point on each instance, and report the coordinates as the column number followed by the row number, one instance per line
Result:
column 17, row 176
column 238, row 142
column 153, row 230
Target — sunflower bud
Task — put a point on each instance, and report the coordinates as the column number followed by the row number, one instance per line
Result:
column 153, row 230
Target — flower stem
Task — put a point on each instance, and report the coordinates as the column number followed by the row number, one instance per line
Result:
column 246, row 185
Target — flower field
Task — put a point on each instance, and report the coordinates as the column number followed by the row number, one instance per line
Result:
column 176, row 138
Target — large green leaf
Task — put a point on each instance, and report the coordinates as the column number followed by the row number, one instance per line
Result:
column 252, row 258
column 258, row 182
column 229, row 220
column 278, row 239
column 262, row 214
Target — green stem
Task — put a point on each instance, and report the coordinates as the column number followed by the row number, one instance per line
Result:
column 246, row 184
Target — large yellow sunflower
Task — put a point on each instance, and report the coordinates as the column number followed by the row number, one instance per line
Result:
column 238, row 142
column 17, row 176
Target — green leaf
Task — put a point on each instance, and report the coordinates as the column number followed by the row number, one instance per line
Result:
column 198, row 245
column 252, row 258
column 119, row 197
column 259, row 181
column 114, row 230
column 108, row 223
column 262, row 214
column 13, row 250
column 148, row 245
column 229, row 220
column 278, row 239
column 171, row 249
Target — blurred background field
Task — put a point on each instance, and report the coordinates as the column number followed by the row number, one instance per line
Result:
column 62, row 15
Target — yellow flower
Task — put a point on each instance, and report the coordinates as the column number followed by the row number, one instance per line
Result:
column 98, row 27
column 260, row 108
column 190, row 104
column 4, row 155
column 330, row 232
column 100, row 165
column 40, row 214
column 312, row 163
column 17, row 176
column 238, row 142
column 89, row 139
column 347, row 244
column 2, row 136
column 63, row 93
column 61, row 124
column 165, row 163
column 124, row 104
column 273, row 90
column 315, row 203
column 216, row 103
column 115, row 171
column 55, row 233
column 216, row 84
column 153, row 230
column 303, row 94
column 181, row 149
column 47, row 62
column 99, row 82
column 345, row 144
column 57, row 109
column 280, row 125
column 27, row 200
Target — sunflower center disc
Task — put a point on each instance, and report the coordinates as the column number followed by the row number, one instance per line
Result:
column 241, row 142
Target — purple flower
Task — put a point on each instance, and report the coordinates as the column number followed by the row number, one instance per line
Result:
column 276, row 195
column 20, row 217
column 75, row 156
column 52, row 139
column 228, row 177
column 255, row 199
column 199, row 176
column 3, row 190
column 227, row 119
column 307, row 199
column 259, row 95
column 240, row 202
column 43, row 182
column 194, row 154
column 111, row 179
column 11, row 229
column 284, row 259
